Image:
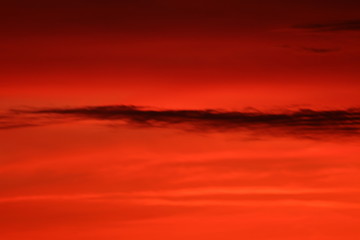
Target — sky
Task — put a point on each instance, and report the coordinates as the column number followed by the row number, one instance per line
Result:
column 204, row 120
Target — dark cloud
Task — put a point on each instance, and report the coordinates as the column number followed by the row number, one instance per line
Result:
column 305, row 122
column 350, row 25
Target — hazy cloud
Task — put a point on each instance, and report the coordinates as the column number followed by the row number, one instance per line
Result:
column 311, row 49
column 350, row 25
column 319, row 50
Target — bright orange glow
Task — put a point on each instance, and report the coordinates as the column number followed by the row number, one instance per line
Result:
column 198, row 120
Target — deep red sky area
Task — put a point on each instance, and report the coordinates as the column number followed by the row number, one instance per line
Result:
column 71, row 168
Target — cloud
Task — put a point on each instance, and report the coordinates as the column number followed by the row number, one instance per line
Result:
column 311, row 197
column 302, row 122
column 319, row 50
column 315, row 50
column 350, row 25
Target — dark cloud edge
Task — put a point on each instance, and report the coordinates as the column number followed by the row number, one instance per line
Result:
column 302, row 122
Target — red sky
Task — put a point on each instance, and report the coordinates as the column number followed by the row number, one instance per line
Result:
column 144, row 120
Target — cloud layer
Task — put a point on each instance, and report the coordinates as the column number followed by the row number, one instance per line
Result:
column 302, row 122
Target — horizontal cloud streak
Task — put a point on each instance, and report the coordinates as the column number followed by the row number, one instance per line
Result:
column 302, row 122
column 352, row 25
column 312, row 49
column 278, row 203
column 207, row 196
column 319, row 50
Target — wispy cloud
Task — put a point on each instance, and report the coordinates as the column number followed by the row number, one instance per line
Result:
column 312, row 49
column 319, row 50
column 302, row 122
column 349, row 25
column 207, row 197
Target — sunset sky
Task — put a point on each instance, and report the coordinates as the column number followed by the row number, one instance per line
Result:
column 169, row 119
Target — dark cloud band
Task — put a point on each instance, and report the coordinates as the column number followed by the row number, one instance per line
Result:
column 304, row 122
